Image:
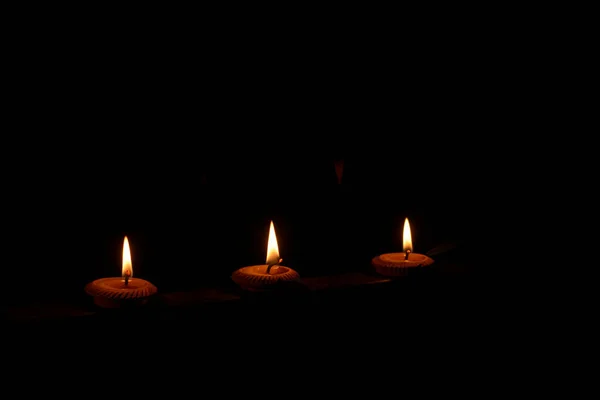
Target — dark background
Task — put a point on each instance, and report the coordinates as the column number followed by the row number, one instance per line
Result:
column 190, row 143
column 193, row 219
column 189, row 132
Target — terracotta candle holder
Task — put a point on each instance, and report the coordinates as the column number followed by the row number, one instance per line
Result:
column 124, row 291
column 267, row 276
column 256, row 277
column 400, row 264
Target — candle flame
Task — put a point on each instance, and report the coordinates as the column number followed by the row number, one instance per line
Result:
column 272, row 248
column 406, row 237
column 127, row 267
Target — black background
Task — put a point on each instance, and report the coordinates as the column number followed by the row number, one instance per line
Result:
column 190, row 143
column 189, row 131
column 191, row 225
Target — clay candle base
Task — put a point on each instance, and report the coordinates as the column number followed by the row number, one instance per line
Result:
column 113, row 293
column 255, row 277
column 394, row 264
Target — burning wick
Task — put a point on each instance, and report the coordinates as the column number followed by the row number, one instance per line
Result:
column 407, row 254
column 271, row 265
column 127, row 275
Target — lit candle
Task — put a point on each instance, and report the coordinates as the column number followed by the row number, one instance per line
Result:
column 121, row 291
column 399, row 264
column 266, row 276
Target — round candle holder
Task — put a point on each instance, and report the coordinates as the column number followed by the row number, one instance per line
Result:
column 256, row 278
column 397, row 264
column 114, row 293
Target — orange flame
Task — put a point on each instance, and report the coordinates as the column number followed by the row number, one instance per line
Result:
column 406, row 237
column 272, row 248
column 127, row 267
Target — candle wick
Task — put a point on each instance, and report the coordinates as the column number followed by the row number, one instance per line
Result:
column 127, row 275
column 407, row 254
column 269, row 266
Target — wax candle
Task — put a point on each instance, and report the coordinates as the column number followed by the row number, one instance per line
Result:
column 115, row 292
column 266, row 276
column 399, row 264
